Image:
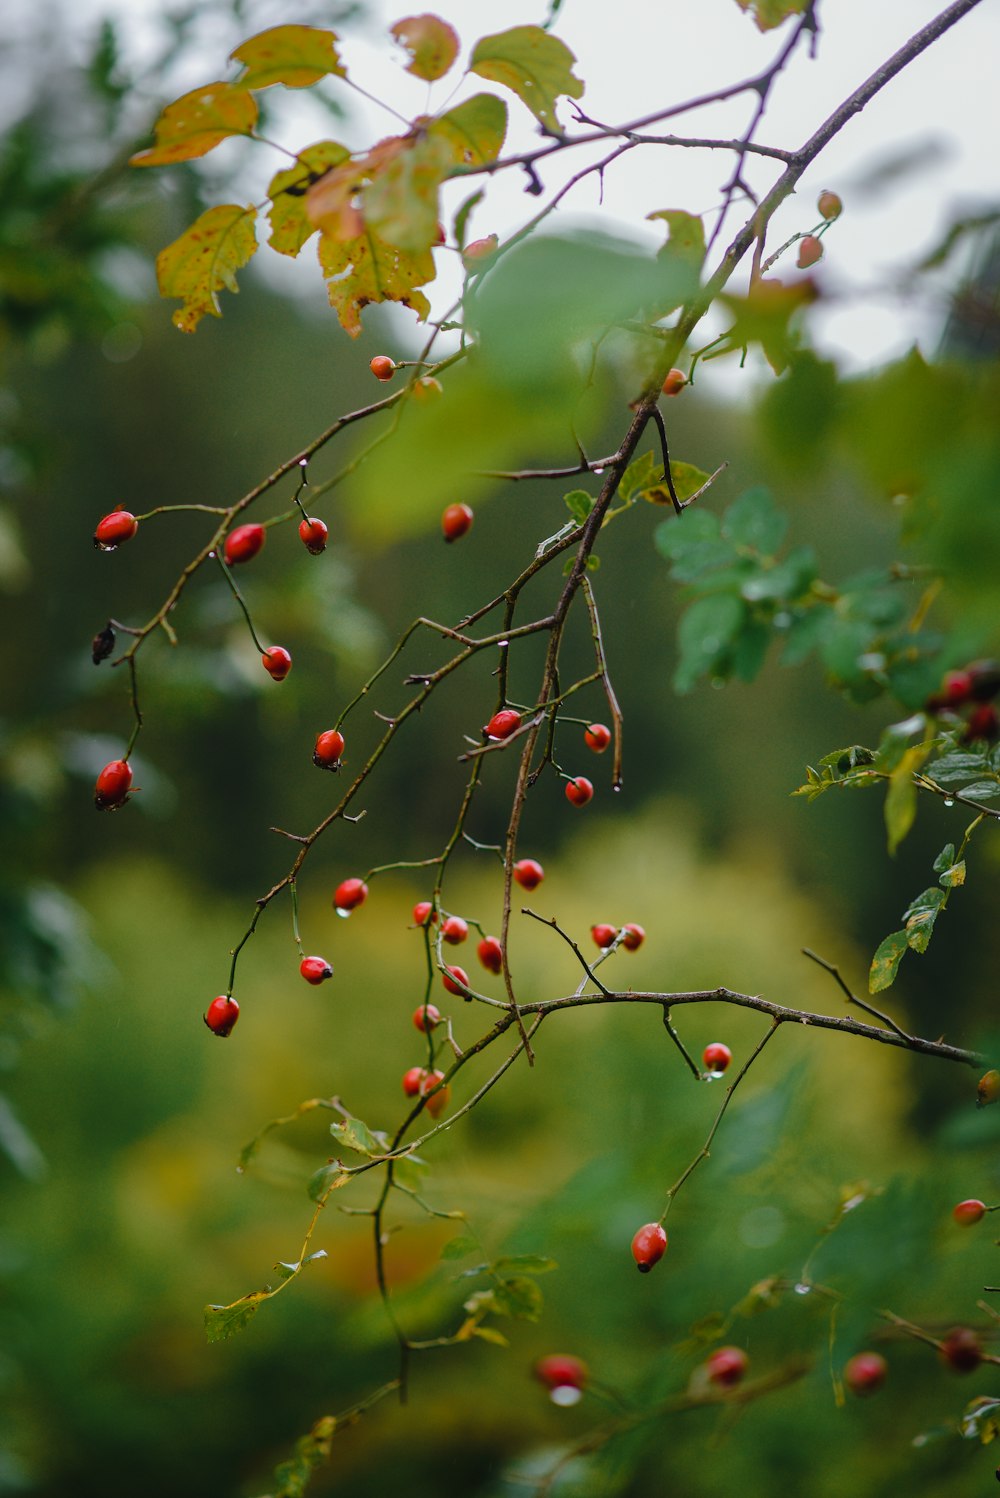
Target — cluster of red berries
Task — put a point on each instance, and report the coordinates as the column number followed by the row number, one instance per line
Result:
column 430, row 1085
column 969, row 692
column 632, row 936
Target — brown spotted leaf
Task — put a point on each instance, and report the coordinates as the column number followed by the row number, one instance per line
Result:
column 290, row 224
column 296, row 56
column 400, row 203
column 192, row 125
column 431, row 43
column 204, row 261
column 475, row 129
column 365, row 269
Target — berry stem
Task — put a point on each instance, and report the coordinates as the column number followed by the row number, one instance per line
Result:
column 609, row 691
column 668, row 1025
column 293, row 890
column 240, row 600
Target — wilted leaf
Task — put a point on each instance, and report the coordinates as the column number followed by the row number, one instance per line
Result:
column 431, row 43
column 290, row 224
column 192, row 125
column 355, row 1134
column 365, row 270
column 329, row 1177
column 901, row 797
column 311, row 1451
column 296, row 56
column 204, row 261
column 954, row 876
column 223, row 1322
column 475, row 130
column 885, row 963
column 533, row 64
column 919, row 918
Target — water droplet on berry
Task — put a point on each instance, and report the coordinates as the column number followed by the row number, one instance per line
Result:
column 565, row 1395
column 344, row 914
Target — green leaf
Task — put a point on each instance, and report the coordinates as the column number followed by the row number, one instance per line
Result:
column 457, row 1248
column 410, row 1172
column 520, row 1298
column 579, row 503
column 806, row 633
column 461, row 218
column 329, row 1177
column 194, row 124
column 901, row 797
column 638, row 475
column 771, row 13
column 755, row 521
column 354, row 1134
column 524, row 1264
column 533, row 64
column 981, row 790
column 400, row 203
column 705, row 633
column 431, row 43
column 204, row 261
column 885, row 963
column 290, row 224
column 366, row 269
column 687, row 480
column 490, row 1334
column 685, row 239
column 311, row 1451
column 785, row 581
column 297, row 56
column 954, row 877
column 750, row 649
column 223, row 1322
column 954, row 767
column 920, row 916
column 475, row 131
column 945, row 859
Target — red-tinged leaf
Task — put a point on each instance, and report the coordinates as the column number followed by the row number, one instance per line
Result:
column 290, row 224
column 764, row 314
column 400, row 203
column 296, row 56
column 365, row 270
column 431, row 43
column 885, row 963
column 533, row 64
column 204, row 261
column 475, row 129
column 771, row 13
column 333, row 203
column 192, row 125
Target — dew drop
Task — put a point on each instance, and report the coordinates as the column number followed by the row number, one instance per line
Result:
column 101, row 546
column 802, row 1288
column 713, row 1076
column 949, row 801
column 566, row 1395
column 342, row 913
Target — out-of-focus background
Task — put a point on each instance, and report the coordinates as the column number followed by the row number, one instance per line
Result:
column 121, row 1121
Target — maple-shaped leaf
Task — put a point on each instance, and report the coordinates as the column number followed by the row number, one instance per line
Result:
column 533, row 64
column 366, row 269
column 431, row 43
column 475, row 129
column 290, row 224
column 764, row 314
column 296, row 56
column 204, row 261
column 195, row 123
column 771, row 13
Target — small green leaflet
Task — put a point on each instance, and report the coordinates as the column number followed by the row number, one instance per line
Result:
column 885, row 963
column 458, row 1248
column 533, row 64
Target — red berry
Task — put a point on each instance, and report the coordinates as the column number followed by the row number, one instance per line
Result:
column 597, row 737
column 987, row 1089
column 115, row 528
column 956, row 687
column 455, row 521
column 528, row 872
column 633, row 938
column 502, row 724
column 221, row 1015
column 984, row 678
column 382, row 367
column 604, row 936
column 458, row 976
column 726, row 1366
column 968, row 1212
column 329, row 748
column 426, row 1017
column 716, row 1057
column 563, row 1375
column 961, row 1350
column 315, row 969
column 436, row 1095
column 113, row 785
column 276, row 662
column 427, row 388
column 648, row 1246
column 490, row 954
column 243, row 544
column 579, row 791
column 454, row 930
column 313, row 534
column 829, row 205
column 810, row 250
column 865, row 1373
column 424, row 913
column 983, row 724
column 479, row 250
column 349, row 895
column 412, row 1080
column 675, row 382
